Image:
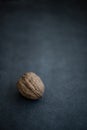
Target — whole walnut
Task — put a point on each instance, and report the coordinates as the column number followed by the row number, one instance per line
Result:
column 31, row 86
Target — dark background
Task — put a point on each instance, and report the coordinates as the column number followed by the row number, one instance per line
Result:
column 50, row 39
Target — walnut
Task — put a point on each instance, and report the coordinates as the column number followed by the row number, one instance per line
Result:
column 31, row 86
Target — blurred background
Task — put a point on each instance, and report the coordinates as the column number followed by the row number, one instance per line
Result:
column 47, row 37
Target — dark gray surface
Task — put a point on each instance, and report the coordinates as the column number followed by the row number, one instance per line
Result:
column 49, row 39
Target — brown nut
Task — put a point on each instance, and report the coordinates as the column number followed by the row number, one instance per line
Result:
column 31, row 86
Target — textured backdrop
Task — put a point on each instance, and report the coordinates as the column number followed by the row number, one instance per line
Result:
column 50, row 39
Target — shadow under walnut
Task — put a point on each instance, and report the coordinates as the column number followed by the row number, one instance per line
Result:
column 31, row 86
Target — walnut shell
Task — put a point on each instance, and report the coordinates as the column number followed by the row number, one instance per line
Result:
column 31, row 86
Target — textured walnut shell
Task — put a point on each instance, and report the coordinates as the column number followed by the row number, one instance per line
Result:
column 30, row 86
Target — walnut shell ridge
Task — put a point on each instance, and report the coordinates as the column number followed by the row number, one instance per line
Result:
column 31, row 86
